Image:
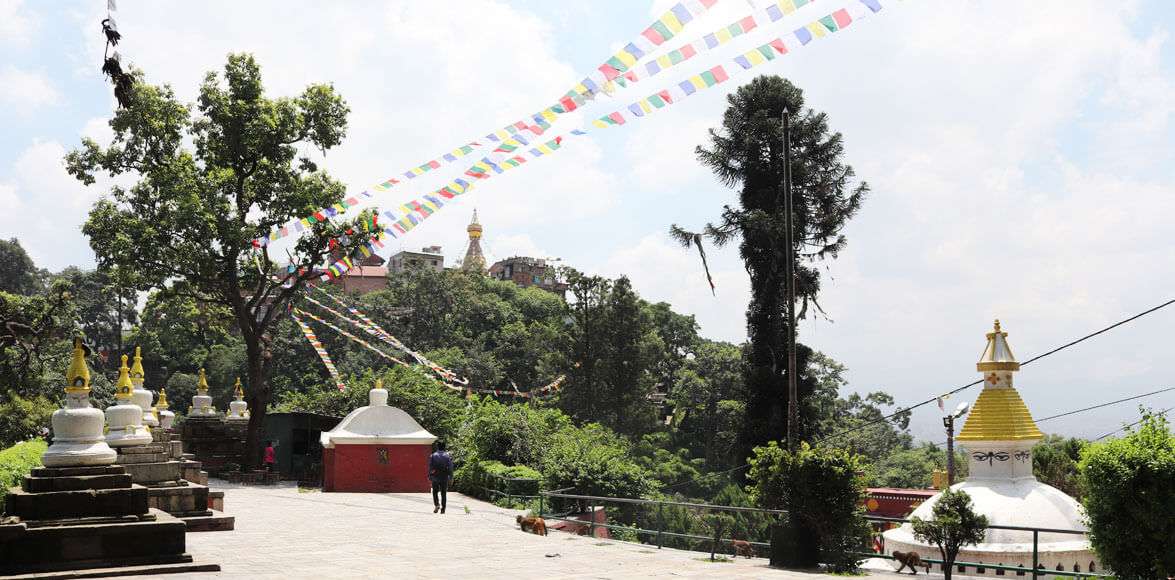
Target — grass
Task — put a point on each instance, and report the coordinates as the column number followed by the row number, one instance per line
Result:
column 17, row 461
column 308, row 489
column 717, row 559
column 466, row 509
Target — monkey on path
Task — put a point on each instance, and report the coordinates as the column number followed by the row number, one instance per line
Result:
column 532, row 524
column 742, row 548
column 911, row 559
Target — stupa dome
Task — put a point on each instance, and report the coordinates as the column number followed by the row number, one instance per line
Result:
column 377, row 423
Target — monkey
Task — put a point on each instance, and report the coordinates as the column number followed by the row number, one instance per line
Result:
column 911, row 559
column 742, row 548
column 532, row 524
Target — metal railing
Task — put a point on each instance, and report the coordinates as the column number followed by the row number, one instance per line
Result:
column 503, row 481
column 1036, row 571
column 593, row 501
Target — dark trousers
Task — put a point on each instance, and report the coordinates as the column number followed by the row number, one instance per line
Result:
column 441, row 486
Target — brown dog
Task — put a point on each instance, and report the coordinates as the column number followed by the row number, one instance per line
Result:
column 532, row 524
column 742, row 548
column 911, row 559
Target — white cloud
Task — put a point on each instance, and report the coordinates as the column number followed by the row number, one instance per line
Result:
column 16, row 25
column 26, row 91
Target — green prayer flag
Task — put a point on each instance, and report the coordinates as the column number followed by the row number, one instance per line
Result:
column 829, row 23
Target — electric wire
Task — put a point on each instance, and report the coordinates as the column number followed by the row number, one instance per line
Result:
column 1123, row 428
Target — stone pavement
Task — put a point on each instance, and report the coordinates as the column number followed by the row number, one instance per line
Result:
column 284, row 533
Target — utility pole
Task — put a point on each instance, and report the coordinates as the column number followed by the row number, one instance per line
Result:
column 949, row 423
column 793, row 407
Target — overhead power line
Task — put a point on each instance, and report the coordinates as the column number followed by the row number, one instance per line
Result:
column 1123, row 428
column 973, row 383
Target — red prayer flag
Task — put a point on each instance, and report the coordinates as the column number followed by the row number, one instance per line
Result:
column 708, row 3
column 654, row 36
column 665, row 96
column 748, row 23
column 688, row 51
column 434, row 164
column 568, row 104
column 842, row 18
column 520, row 125
column 778, row 45
column 719, row 74
column 609, row 72
column 616, row 116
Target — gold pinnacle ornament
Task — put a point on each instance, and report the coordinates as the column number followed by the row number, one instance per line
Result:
column 161, row 404
column 202, row 386
column 238, row 391
column 137, row 373
column 124, row 389
column 78, row 376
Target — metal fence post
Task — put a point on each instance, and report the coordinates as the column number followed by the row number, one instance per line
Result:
column 592, row 519
column 541, row 497
column 660, row 522
column 1035, row 553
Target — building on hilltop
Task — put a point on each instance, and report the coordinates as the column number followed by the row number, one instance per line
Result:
column 368, row 275
column 428, row 258
column 527, row 272
column 474, row 260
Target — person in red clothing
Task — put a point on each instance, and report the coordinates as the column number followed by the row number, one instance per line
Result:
column 270, row 456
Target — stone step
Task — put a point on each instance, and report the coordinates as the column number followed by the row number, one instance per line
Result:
column 140, row 449
column 76, row 471
column 133, row 458
column 177, row 500
column 154, row 472
column 100, row 545
column 76, row 482
column 76, row 504
column 216, row 500
column 216, row 522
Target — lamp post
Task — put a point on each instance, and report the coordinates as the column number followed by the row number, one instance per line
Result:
column 949, row 423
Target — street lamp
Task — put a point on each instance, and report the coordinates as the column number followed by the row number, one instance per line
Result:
column 949, row 423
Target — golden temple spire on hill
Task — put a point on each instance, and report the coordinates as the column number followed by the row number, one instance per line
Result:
column 999, row 414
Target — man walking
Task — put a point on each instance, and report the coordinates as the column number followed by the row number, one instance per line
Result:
column 440, row 472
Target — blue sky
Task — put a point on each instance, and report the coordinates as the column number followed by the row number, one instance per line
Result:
column 1020, row 156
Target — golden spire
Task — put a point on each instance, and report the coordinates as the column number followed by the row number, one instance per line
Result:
column 137, row 373
column 379, row 383
column 161, row 404
column 474, row 260
column 997, row 355
column 999, row 414
column 238, row 391
column 124, row 389
column 77, row 378
column 202, row 386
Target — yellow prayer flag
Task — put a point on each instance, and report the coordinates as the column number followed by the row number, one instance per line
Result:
column 645, row 106
column 597, row 123
column 417, row 171
column 626, row 58
column 671, row 22
column 698, row 81
column 723, row 36
column 502, row 134
column 546, row 149
column 787, row 6
column 755, row 57
column 664, row 62
column 817, row 29
column 549, row 115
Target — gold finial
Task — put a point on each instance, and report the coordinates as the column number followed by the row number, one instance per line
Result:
column 137, row 373
column 238, row 391
column 78, row 376
column 379, row 383
column 124, row 389
column 202, row 386
column 997, row 355
column 161, row 404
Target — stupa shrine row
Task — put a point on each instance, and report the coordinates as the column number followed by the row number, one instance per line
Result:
column 116, row 489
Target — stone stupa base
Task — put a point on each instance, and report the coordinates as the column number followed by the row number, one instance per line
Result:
column 74, row 518
column 93, row 453
column 162, row 469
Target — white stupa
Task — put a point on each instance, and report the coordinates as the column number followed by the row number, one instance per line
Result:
column 999, row 435
column 238, row 409
column 77, row 428
column 201, row 402
column 166, row 417
column 143, row 398
column 377, row 423
column 124, row 419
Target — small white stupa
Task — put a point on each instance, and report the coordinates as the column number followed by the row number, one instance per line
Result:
column 166, row 418
column 124, row 419
column 77, row 428
column 238, row 410
column 143, row 398
column 201, row 402
column 999, row 435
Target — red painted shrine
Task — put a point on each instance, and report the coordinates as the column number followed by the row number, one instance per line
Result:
column 376, row 448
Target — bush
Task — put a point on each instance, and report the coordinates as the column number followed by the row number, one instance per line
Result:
column 1130, row 502
column 594, row 461
column 476, row 478
column 22, row 419
column 954, row 525
column 823, row 491
column 17, row 461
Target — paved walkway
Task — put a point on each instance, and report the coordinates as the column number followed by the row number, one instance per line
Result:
column 284, row 533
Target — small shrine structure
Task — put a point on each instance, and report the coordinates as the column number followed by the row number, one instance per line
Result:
column 238, row 409
column 376, row 448
column 999, row 435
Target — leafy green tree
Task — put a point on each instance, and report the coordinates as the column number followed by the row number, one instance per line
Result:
column 747, row 152
column 1129, row 499
column 708, row 401
column 105, row 308
column 914, row 467
column 177, row 332
column 954, row 525
column 823, row 491
column 34, row 335
column 22, row 419
column 719, row 524
column 195, row 210
column 20, row 274
column 1054, row 461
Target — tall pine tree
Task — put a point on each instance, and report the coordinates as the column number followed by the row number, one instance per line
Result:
column 747, row 152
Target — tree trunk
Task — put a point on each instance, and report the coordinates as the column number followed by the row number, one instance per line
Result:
column 258, row 398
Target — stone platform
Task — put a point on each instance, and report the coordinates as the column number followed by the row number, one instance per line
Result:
column 162, row 467
column 85, row 517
